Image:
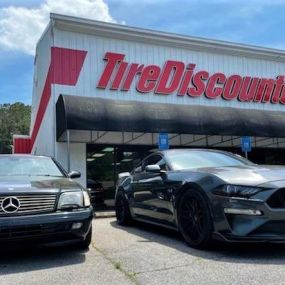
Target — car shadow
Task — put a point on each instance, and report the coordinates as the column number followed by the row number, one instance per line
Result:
column 253, row 253
column 16, row 259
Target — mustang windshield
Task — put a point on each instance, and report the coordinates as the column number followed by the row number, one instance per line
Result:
column 180, row 160
column 28, row 166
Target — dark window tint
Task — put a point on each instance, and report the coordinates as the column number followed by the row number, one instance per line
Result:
column 162, row 164
column 155, row 159
column 201, row 159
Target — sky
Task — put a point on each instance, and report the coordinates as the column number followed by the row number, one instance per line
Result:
column 254, row 22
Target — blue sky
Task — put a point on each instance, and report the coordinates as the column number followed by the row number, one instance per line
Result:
column 255, row 22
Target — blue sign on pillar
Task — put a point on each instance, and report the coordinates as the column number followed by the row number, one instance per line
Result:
column 163, row 141
column 246, row 144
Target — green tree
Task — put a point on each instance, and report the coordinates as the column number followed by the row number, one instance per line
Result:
column 14, row 119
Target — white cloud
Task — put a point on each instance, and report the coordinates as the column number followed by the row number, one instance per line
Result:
column 21, row 27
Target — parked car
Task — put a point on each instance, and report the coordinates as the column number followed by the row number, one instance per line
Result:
column 39, row 202
column 205, row 194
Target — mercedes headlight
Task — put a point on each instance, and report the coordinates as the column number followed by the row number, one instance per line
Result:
column 86, row 199
column 237, row 191
column 73, row 200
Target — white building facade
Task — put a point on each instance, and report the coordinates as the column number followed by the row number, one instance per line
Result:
column 123, row 65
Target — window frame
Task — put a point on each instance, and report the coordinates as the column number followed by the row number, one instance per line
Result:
column 162, row 157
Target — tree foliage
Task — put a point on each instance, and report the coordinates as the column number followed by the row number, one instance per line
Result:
column 14, row 119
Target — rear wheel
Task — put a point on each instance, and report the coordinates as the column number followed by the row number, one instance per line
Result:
column 123, row 214
column 195, row 221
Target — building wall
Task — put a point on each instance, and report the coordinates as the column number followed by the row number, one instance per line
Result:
column 77, row 158
column 139, row 52
column 41, row 67
column 43, row 142
column 147, row 53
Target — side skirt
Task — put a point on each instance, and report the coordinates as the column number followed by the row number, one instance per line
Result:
column 145, row 220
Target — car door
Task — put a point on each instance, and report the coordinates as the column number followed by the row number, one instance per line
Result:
column 141, row 186
column 151, row 197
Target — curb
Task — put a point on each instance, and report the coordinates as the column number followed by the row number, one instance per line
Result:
column 103, row 215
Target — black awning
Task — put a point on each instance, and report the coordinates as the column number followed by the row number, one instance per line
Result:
column 86, row 113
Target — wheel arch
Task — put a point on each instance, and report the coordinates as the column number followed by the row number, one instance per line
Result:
column 188, row 186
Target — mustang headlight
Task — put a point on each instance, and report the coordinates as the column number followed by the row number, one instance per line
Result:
column 73, row 200
column 237, row 191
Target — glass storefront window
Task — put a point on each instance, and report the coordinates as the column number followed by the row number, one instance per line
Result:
column 104, row 163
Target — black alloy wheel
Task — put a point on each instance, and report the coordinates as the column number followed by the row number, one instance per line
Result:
column 123, row 214
column 195, row 221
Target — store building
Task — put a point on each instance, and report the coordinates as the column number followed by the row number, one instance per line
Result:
column 103, row 92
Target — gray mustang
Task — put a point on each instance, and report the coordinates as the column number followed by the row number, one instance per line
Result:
column 205, row 194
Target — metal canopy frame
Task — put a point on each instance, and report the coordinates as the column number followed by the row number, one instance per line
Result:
column 187, row 140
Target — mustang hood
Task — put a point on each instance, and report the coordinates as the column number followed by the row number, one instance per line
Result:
column 247, row 175
column 30, row 183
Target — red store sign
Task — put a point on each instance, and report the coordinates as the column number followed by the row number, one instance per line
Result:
column 177, row 77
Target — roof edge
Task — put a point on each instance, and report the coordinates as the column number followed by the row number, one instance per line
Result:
column 170, row 39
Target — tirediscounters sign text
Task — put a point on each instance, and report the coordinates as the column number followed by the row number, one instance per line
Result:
column 185, row 79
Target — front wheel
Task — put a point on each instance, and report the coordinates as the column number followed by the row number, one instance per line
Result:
column 123, row 214
column 195, row 221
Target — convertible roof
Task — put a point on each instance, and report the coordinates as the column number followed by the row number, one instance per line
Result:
column 89, row 113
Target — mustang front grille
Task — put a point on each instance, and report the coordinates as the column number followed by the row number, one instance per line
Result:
column 27, row 204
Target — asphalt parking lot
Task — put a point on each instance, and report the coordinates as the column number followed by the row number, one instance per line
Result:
column 143, row 254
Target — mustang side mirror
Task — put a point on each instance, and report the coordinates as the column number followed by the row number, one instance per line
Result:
column 138, row 169
column 123, row 175
column 74, row 174
column 153, row 168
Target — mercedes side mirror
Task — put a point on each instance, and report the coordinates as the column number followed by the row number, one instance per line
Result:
column 153, row 168
column 74, row 174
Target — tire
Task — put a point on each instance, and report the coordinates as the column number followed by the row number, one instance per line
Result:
column 123, row 213
column 195, row 220
column 87, row 241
